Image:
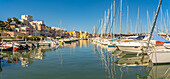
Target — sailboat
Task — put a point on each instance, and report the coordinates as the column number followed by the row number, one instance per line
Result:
column 113, row 41
column 162, row 56
column 132, row 44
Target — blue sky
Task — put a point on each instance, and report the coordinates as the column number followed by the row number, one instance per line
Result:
column 80, row 14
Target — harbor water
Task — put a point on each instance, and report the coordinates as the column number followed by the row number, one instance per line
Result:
column 79, row 60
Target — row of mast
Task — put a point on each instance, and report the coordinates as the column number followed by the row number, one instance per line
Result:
column 102, row 27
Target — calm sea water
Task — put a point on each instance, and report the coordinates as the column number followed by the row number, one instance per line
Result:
column 78, row 60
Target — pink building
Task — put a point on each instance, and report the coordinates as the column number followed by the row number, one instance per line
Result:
column 12, row 33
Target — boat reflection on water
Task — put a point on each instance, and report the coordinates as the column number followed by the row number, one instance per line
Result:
column 160, row 72
column 120, row 65
column 72, row 47
column 80, row 43
column 115, row 64
column 24, row 58
column 84, row 43
column 137, row 67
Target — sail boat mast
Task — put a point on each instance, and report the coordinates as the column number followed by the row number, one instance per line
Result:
column 111, row 21
column 61, row 27
column 131, row 25
column 141, row 27
column 120, row 17
column 127, row 19
column 156, row 16
column 93, row 31
column 148, row 21
column 137, row 24
column 108, row 19
column 161, row 20
column 98, row 27
column 166, row 31
column 104, row 30
column 101, row 28
column 114, row 17
column 167, row 19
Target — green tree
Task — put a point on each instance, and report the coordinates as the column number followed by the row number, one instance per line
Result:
column 16, row 20
column 9, row 20
column 2, row 25
column 43, row 24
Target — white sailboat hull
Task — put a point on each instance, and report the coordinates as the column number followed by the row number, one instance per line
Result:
column 160, row 57
column 130, row 49
column 112, row 49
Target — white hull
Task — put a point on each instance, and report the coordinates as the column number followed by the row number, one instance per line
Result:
column 47, row 43
column 111, row 49
column 44, row 44
column 160, row 57
column 130, row 49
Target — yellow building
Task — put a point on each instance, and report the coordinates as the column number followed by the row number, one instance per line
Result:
column 74, row 34
column 84, row 34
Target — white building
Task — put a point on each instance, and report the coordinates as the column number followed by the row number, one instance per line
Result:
column 27, row 17
column 28, row 20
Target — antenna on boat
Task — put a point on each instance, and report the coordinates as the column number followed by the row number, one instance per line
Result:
column 156, row 16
